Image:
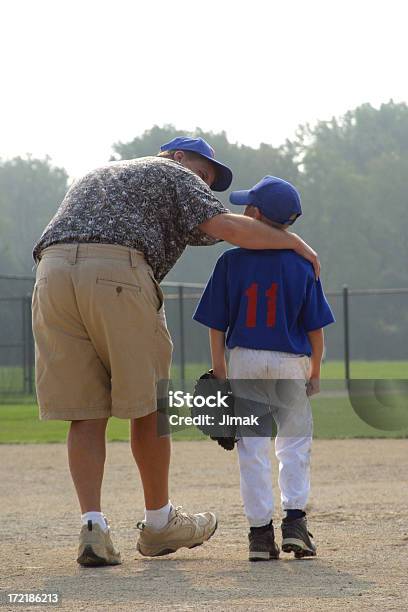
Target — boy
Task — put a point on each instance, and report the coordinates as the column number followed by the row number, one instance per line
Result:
column 273, row 310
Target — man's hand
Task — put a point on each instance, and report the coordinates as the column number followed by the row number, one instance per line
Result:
column 308, row 253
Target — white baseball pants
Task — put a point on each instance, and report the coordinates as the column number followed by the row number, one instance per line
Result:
column 292, row 413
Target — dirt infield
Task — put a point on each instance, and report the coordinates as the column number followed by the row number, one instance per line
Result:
column 358, row 514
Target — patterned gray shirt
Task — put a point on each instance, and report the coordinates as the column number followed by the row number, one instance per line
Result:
column 151, row 204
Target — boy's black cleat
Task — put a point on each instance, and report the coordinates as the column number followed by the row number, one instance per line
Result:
column 262, row 545
column 296, row 538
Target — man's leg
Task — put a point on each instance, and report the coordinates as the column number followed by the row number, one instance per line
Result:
column 152, row 455
column 165, row 529
column 86, row 454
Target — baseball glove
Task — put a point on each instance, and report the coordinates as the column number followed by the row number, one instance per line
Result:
column 214, row 421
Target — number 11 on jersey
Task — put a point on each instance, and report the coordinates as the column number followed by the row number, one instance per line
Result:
column 252, row 295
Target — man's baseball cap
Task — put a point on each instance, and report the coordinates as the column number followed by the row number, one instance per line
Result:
column 223, row 177
column 277, row 199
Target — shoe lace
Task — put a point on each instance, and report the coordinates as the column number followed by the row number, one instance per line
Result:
column 181, row 517
column 105, row 518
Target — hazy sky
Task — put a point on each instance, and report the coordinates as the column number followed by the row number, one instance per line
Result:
column 78, row 76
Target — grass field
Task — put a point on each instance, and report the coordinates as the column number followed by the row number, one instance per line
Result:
column 334, row 416
column 12, row 378
column 332, row 369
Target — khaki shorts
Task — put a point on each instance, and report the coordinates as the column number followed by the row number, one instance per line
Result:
column 101, row 340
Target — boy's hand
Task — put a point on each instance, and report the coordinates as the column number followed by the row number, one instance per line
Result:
column 313, row 386
column 217, row 345
column 220, row 372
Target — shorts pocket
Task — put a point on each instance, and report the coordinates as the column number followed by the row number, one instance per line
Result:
column 119, row 285
column 159, row 293
column 40, row 281
column 293, row 367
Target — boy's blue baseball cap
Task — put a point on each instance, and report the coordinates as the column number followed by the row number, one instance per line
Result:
column 277, row 199
column 223, row 177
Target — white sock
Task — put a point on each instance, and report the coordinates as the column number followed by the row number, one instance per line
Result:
column 158, row 518
column 97, row 518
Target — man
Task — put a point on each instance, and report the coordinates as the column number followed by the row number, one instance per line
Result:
column 98, row 319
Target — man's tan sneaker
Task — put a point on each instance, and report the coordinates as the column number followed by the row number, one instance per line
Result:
column 182, row 531
column 96, row 547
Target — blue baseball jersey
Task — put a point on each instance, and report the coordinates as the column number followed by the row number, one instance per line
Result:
column 265, row 300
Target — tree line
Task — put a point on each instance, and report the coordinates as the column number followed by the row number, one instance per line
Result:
column 351, row 172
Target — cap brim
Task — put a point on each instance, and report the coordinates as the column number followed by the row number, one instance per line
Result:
column 223, row 178
column 240, row 198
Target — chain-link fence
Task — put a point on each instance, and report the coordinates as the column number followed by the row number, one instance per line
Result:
column 372, row 325
column 16, row 339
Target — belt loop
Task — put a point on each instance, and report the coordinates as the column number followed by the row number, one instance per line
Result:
column 133, row 258
column 73, row 253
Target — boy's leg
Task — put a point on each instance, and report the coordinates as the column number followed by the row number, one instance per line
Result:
column 293, row 449
column 293, row 416
column 257, row 496
column 293, row 454
column 254, row 452
column 245, row 366
column 256, row 480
